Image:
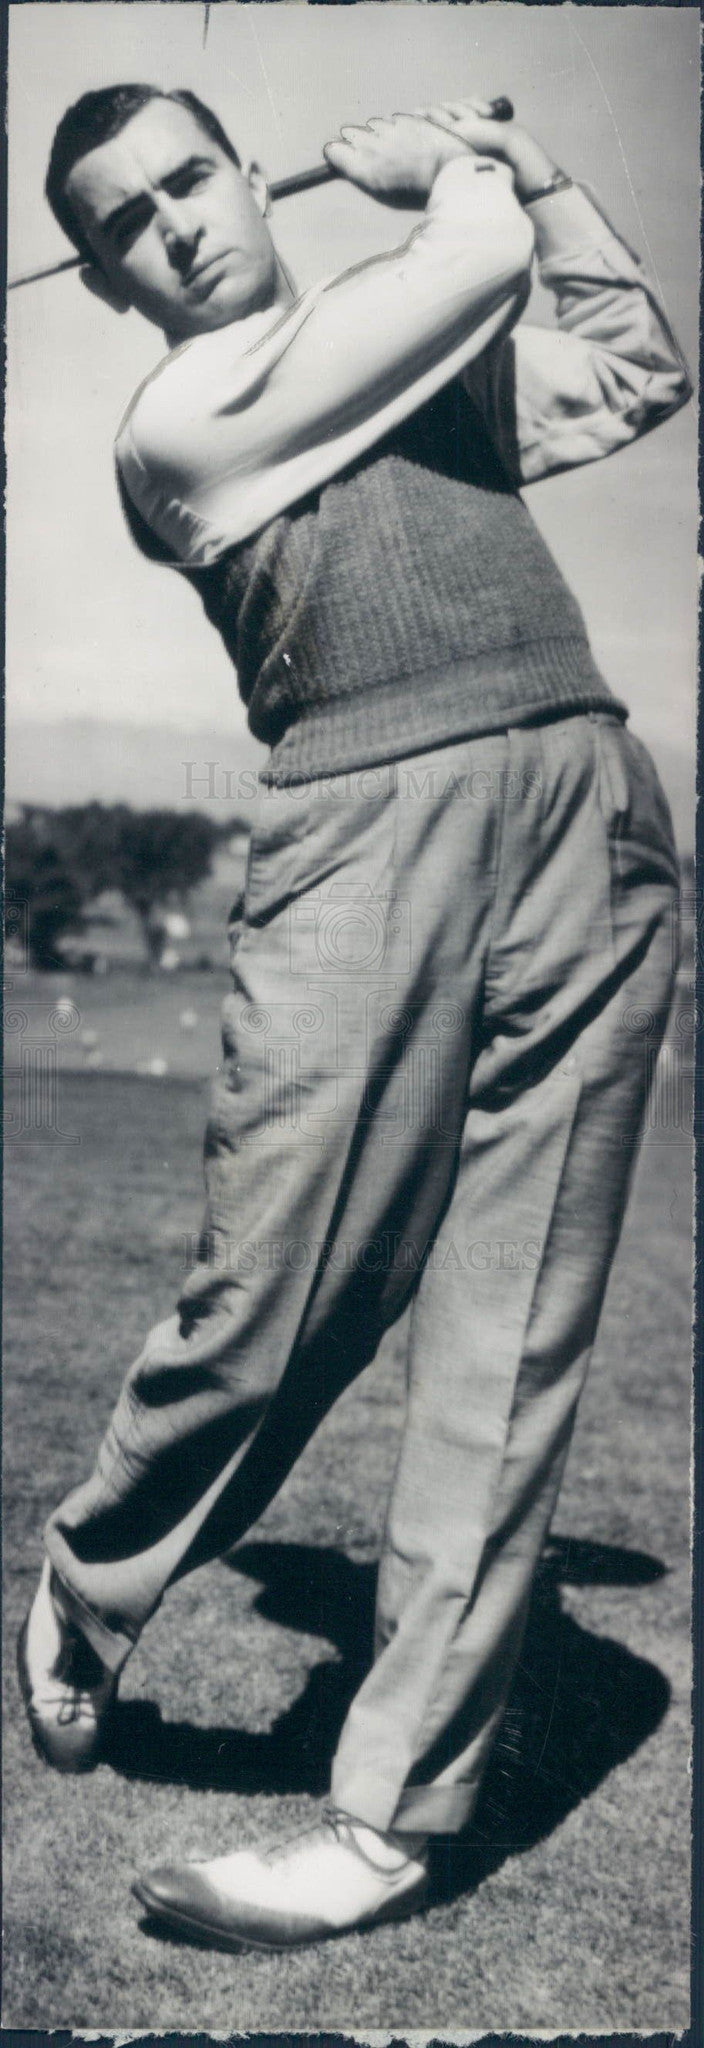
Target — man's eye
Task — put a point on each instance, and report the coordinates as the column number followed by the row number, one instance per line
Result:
column 187, row 180
column 127, row 231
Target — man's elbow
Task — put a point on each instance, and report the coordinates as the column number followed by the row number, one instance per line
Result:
column 682, row 387
column 669, row 390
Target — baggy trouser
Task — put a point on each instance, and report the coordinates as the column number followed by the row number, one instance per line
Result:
column 451, row 979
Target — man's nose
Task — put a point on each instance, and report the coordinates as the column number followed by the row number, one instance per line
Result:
column 181, row 238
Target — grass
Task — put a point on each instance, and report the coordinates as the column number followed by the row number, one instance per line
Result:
column 120, row 1022
column 567, row 1906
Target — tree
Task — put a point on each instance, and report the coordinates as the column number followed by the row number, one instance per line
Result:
column 40, row 879
column 88, row 837
column 59, row 862
column 159, row 857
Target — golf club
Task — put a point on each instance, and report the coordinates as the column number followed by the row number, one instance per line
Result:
column 282, row 188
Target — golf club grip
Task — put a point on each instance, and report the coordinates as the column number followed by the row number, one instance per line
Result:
column 302, row 181
column 282, row 188
column 305, row 181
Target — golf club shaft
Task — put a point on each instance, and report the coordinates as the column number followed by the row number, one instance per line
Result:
column 282, row 188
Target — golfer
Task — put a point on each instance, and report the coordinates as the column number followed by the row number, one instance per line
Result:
column 460, row 890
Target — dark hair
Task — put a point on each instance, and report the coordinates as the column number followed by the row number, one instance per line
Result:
column 95, row 119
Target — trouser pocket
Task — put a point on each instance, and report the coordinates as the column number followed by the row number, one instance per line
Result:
column 633, row 803
column 332, row 837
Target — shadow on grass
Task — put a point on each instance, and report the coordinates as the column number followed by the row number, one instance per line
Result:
column 580, row 1703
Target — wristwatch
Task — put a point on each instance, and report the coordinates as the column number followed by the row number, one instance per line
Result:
column 560, row 182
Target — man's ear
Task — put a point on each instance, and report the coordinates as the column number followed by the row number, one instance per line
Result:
column 95, row 281
column 257, row 181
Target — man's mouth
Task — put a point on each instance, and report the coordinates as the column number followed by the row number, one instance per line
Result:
column 201, row 281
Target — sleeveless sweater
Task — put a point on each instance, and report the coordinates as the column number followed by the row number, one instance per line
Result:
column 409, row 602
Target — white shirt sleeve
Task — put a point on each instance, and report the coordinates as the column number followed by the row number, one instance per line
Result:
column 222, row 438
column 609, row 371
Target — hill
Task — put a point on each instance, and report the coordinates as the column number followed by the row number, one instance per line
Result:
column 76, row 760
column 71, row 761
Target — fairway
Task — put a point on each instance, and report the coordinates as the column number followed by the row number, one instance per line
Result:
column 566, row 1908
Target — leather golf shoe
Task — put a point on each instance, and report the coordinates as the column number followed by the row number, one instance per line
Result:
column 66, row 1689
column 331, row 1878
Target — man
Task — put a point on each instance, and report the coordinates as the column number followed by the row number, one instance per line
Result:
column 461, row 878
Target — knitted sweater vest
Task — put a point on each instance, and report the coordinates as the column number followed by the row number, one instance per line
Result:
column 409, row 602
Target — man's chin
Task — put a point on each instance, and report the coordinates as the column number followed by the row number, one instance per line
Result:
column 224, row 304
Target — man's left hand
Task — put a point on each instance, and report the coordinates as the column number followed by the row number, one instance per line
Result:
column 396, row 160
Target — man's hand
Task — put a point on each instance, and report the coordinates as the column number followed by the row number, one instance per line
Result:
column 396, row 160
column 470, row 121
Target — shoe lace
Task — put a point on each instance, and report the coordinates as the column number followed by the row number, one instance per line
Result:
column 333, row 1820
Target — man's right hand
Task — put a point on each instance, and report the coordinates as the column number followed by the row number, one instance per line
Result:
column 471, row 121
column 396, row 160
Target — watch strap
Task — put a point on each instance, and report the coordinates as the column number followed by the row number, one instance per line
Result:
column 560, row 182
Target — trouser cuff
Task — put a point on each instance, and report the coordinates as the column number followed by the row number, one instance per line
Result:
column 111, row 1645
column 419, row 1809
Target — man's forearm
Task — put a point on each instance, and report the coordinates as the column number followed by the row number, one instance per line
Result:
column 532, row 168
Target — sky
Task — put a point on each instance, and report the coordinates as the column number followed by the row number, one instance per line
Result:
column 93, row 630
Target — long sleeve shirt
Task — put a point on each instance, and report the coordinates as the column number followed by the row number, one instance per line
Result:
column 236, row 426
